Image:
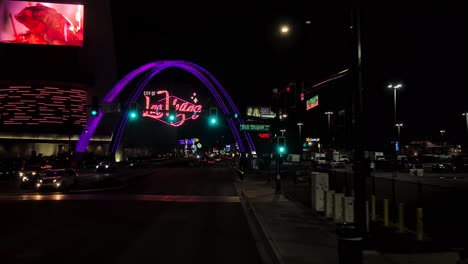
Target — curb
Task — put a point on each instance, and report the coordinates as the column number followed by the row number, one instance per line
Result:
column 271, row 246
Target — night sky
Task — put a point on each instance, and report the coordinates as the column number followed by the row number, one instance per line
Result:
column 424, row 48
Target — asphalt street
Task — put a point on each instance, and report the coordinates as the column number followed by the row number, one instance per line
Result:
column 164, row 215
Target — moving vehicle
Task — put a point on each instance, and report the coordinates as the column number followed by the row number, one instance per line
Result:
column 56, row 179
column 31, row 170
column 105, row 166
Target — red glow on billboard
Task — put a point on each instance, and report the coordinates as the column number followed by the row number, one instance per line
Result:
column 160, row 108
column 41, row 23
column 264, row 135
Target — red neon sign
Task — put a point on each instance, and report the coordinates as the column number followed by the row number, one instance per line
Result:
column 160, row 108
column 264, row 135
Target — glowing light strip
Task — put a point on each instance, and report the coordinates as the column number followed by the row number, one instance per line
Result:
column 122, row 123
column 61, row 137
column 221, row 103
column 233, row 106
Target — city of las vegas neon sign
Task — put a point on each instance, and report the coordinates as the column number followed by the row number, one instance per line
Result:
column 158, row 109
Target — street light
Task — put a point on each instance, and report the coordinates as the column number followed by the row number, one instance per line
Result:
column 284, row 29
column 329, row 130
column 466, row 118
column 395, row 88
column 399, row 125
column 329, row 113
column 300, row 124
column 442, row 132
column 282, row 132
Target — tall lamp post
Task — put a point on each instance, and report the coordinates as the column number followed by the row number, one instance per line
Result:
column 395, row 88
column 329, row 128
column 466, row 118
column 399, row 125
column 282, row 132
column 442, row 132
column 300, row 124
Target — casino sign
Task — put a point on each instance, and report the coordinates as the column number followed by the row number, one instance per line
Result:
column 158, row 108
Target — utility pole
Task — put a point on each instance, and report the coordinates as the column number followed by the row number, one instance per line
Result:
column 350, row 238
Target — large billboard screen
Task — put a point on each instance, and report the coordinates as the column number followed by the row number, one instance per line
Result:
column 41, row 23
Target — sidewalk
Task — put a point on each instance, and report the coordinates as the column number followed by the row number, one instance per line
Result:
column 297, row 235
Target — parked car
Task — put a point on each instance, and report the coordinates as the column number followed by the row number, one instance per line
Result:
column 105, row 166
column 443, row 167
column 338, row 164
column 444, row 164
column 56, row 179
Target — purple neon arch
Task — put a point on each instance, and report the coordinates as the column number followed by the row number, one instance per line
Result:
column 228, row 98
column 155, row 67
column 156, row 70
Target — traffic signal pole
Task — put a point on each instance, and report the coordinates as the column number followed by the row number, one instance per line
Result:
column 351, row 237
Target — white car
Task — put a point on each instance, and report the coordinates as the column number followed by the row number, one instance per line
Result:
column 338, row 164
column 322, row 160
column 56, row 179
column 344, row 159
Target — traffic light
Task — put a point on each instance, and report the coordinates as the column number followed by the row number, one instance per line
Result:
column 171, row 116
column 281, row 145
column 236, row 115
column 133, row 111
column 213, row 119
column 94, row 106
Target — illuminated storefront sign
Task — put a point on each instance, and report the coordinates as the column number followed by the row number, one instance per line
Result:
column 260, row 111
column 312, row 102
column 159, row 109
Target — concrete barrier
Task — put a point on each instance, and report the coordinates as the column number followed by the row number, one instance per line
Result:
column 348, row 209
column 329, row 203
column 338, row 207
column 319, row 185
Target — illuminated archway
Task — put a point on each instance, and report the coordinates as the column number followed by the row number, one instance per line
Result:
column 223, row 99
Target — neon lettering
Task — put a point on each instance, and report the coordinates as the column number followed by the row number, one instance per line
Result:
column 156, row 109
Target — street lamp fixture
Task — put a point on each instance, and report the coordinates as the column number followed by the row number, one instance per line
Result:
column 395, row 88
column 466, row 118
column 282, row 132
column 329, row 113
column 284, row 29
column 399, row 125
column 300, row 124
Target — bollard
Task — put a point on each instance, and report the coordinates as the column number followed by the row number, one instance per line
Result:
column 373, row 215
column 419, row 224
column 367, row 217
column 401, row 217
column 385, row 213
column 350, row 244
